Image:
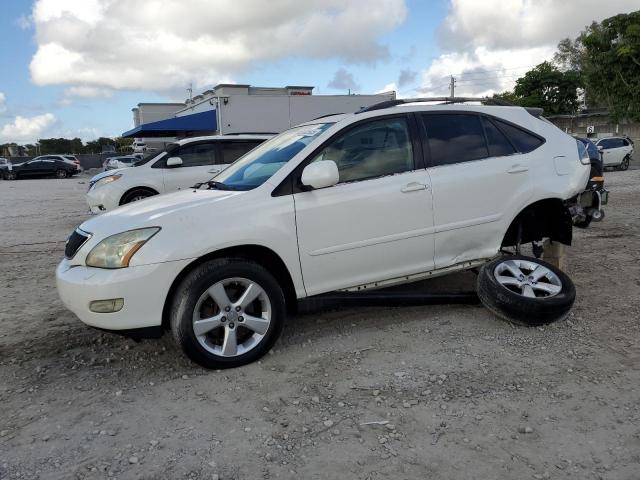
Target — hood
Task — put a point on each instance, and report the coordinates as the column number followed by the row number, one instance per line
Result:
column 159, row 210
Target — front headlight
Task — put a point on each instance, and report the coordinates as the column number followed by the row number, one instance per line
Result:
column 106, row 180
column 116, row 251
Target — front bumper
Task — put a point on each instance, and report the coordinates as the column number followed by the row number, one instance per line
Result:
column 144, row 290
column 103, row 198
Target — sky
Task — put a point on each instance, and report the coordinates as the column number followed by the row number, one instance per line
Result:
column 76, row 68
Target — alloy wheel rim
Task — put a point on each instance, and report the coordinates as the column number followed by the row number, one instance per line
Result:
column 232, row 317
column 137, row 198
column 61, row 174
column 528, row 278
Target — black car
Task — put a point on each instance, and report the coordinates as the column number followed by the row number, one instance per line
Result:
column 43, row 166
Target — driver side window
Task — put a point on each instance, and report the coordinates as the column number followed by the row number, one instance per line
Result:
column 373, row 149
column 197, row 155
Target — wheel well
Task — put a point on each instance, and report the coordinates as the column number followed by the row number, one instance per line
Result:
column 257, row 253
column 547, row 218
column 146, row 189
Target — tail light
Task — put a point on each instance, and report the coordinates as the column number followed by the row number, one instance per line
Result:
column 583, row 154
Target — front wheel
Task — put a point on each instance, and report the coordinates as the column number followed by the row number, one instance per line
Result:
column 11, row 175
column 136, row 195
column 525, row 290
column 227, row 312
column 625, row 164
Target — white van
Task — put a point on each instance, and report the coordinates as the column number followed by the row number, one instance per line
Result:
column 181, row 165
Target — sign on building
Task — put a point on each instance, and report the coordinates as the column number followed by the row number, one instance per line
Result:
column 591, row 129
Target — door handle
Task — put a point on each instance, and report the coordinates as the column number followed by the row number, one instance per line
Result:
column 214, row 171
column 517, row 168
column 413, row 187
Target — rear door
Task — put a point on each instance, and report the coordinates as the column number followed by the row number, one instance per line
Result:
column 612, row 151
column 476, row 169
column 198, row 165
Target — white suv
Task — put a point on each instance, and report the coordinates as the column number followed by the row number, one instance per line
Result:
column 389, row 195
column 616, row 152
column 180, row 165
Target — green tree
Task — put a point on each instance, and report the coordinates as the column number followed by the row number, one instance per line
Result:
column 60, row 145
column 607, row 57
column 96, row 146
column 547, row 87
column 123, row 145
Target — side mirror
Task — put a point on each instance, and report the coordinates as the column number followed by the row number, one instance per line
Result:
column 321, row 174
column 173, row 162
column 600, row 148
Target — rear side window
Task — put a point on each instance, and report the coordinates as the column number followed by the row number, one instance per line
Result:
column 499, row 145
column 524, row 141
column 233, row 151
column 455, row 138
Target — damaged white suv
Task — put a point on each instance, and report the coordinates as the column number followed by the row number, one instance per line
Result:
column 395, row 193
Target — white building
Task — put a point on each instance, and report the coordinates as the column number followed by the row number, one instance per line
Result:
column 230, row 108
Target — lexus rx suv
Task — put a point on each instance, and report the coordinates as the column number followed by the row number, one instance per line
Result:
column 399, row 192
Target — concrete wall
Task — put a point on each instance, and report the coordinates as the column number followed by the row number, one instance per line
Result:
column 603, row 125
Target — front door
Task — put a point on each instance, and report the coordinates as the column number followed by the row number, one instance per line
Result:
column 377, row 223
column 198, row 165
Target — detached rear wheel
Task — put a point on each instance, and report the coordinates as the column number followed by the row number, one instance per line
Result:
column 227, row 313
column 525, row 290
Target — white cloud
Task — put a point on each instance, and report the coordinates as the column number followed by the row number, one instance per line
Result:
column 164, row 44
column 3, row 103
column 490, row 43
column 343, row 80
column 24, row 129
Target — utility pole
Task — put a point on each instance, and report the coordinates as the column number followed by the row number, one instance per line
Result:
column 452, row 86
column 190, row 90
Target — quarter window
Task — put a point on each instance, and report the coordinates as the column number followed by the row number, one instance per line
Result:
column 376, row 148
column 498, row 144
column 455, row 138
column 197, row 155
column 525, row 142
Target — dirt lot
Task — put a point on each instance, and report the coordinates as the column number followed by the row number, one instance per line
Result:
column 405, row 392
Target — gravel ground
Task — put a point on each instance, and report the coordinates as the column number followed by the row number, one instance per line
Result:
column 444, row 391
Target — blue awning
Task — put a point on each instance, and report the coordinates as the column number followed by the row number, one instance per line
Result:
column 203, row 122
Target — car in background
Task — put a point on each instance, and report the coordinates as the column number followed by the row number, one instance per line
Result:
column 4, row 161
column 181, row 165
column 124, row 161
column 75, row 160
column 139, row 147
column 616, row 152
column 42, row 166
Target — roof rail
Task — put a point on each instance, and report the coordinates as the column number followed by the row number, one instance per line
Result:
column 250, row 133
column 536, row 112
column 327, row 115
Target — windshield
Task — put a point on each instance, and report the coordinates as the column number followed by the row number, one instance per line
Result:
column 154, row 154
column 257, row 166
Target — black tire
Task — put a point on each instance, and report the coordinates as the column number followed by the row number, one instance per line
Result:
column 625, row 164
column 10, row 176
column 515, row 307
column 136, row 194
column 61, row 173
column 194, row 286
